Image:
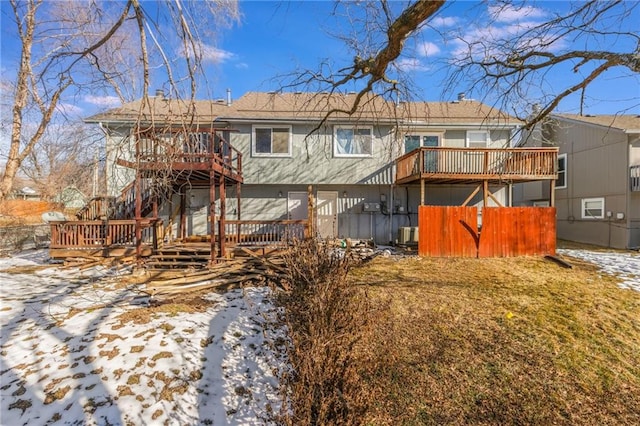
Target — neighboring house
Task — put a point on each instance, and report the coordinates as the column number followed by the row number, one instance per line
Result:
column 365, row 174
column 26, row 193
column 597, row 194
column 71, row 197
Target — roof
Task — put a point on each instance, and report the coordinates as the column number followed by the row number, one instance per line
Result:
column 629, row 123
column 314, row 106
column 160, row 109
column 303, row 106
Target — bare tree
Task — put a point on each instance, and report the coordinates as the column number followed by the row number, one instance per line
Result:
column 68, row 49
column 509, row 67
column 517, row 62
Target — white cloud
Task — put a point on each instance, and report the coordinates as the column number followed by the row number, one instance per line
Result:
column 213, row 54
column 443, row 21
column 103, row 101
column 428, row 49
column 242, row 65
column 69, row 109
column 411, row 64
column 509, row 13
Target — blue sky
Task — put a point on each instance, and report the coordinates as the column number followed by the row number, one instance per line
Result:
column 276, row 38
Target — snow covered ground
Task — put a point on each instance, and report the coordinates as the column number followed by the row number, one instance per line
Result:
column 78, row 347
column 625, row 265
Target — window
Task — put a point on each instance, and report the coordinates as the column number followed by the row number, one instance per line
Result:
column 412, row 142
column 593, row 208
column 352, row 142
column 561, row 182
column 271, row 141
column 477, row 139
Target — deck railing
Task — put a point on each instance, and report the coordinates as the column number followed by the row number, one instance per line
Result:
column 264, row 232
column 96, row 208
column 634, row 174
column 480, row 163
column 96, row 234
column 184, row 146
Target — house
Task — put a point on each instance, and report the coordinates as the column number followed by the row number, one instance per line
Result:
column 71, row 198
column 360, row 176
column 597, row 194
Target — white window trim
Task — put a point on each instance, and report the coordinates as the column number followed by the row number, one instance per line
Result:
column 486, row 132
column 566, row 167
column 335, row 138
column 254, row 153
column 585, row 201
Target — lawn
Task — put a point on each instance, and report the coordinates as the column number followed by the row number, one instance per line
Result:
column 497, row 341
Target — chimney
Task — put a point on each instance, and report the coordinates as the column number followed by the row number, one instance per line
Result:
column 228, row 97
column 535, row 109
column 160, row 93
column 461, row 96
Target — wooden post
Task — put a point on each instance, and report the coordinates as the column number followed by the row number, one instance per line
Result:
column 223, row 213
column 311, row 212
column 485, row 192
column 238, row 212
column 212, row 214
column 552, row 194
column 182, row 231
column 421, row 191
column 138, row 216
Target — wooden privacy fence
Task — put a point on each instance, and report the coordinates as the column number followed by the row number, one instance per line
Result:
column 452, row 231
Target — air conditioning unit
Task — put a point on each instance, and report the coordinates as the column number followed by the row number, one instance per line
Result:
column 408, row 235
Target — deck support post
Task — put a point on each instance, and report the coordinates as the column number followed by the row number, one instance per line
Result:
column 212, row 214
column 182, row 228
column 221, row 222
column 138, row 215
column 485, row 192
column 552, row 193
column 421, row 192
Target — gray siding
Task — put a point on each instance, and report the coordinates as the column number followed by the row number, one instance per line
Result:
column 597, row 166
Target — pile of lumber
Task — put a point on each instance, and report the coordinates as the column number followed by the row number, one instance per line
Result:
column 269, row 270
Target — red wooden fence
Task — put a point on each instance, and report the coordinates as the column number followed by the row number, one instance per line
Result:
column 447, row 231
column 517, row 231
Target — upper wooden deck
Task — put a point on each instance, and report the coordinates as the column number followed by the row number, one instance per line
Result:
column 470, row 165
column 186, row 155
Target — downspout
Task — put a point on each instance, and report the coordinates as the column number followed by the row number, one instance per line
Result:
column 391, row 207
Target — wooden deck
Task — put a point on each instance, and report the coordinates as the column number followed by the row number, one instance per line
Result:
column 116, row 238
column 441, row 165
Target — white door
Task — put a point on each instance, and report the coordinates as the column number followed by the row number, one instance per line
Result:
column 297, row 206
column 327, row 207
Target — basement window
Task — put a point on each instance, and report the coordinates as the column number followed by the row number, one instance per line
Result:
column 593, row 208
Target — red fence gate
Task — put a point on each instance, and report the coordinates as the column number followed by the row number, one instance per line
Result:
column 451, row 231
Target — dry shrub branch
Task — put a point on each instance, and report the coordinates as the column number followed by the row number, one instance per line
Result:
column 326, row 317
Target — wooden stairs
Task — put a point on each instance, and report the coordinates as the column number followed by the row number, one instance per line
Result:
column 179, row 257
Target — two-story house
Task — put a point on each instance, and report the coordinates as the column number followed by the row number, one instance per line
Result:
column 365, row 173
column 597, row 194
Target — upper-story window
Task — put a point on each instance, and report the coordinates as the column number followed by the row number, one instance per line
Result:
column 561, row 182
column 412, row 142
column 351, row 141
column 271, row 141
column 477, row 139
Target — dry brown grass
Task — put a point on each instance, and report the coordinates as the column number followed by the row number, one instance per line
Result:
column 498, row 341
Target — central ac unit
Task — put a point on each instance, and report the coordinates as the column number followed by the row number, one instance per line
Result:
column 408, row 235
